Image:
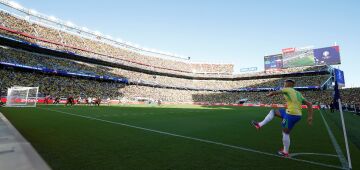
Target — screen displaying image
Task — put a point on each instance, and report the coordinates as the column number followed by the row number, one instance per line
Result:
column 327, row 56
column 298, row 58
column 273, row 62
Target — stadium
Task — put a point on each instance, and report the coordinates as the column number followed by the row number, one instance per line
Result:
column 72, row 98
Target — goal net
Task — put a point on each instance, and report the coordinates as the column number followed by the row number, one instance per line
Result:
column 22, row 96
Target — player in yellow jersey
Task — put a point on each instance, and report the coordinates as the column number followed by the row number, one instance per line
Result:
column 290, row 116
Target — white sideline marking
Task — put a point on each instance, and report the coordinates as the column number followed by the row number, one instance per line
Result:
column 341, row 156
column 197, row 139
column 320, row 154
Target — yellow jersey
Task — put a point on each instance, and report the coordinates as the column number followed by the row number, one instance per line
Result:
column 294, row 100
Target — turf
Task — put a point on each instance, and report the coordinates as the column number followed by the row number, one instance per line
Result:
column 72, row 142
column 352, row 125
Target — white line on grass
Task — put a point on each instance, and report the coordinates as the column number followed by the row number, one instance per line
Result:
column 340, row 154
column 196, row 139
column 320, row 154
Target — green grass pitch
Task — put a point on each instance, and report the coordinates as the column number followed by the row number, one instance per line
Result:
column 175, row 137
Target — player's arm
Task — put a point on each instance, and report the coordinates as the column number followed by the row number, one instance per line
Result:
column 274, row 93
column 310, row 111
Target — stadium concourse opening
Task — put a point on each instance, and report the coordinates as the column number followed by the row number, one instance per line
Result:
column 100, row 103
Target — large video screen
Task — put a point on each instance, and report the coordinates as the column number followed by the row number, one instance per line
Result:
column 273, row 62
column 295, row 57
column 327, row 56
column 298, row 58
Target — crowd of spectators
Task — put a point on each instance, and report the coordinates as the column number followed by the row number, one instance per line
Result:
column 349, row 96
column 38, row 60
column 95, row 48
column 16, row 56
column 57, row 86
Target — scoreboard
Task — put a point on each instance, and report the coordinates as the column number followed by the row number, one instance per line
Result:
column 273, row 62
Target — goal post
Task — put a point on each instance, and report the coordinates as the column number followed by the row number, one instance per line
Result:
column 22, row 96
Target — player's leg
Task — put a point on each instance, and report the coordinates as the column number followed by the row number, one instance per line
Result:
column 286, row 142
column 268, row 118
column 288, row 124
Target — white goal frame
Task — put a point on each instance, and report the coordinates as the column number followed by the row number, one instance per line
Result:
column 26, row 99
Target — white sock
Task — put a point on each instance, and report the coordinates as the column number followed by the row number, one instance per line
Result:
column 286, row 142
column 268, row 118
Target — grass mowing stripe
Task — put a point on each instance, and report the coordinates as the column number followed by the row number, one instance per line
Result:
column 196, row 139
column 341, row 156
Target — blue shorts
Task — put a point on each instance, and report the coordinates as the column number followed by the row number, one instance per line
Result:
column 289, row 121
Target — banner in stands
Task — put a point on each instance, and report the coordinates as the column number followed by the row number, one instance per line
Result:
column 273, row 62
column 327, row 56
column 64, row 73
column 339, row 77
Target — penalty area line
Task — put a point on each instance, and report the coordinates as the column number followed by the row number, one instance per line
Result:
column 196, row 139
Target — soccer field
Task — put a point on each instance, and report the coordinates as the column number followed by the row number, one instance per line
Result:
column 175, row 137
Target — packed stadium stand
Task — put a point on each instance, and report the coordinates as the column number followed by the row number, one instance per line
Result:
column 64, row 61
column 61, row 40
